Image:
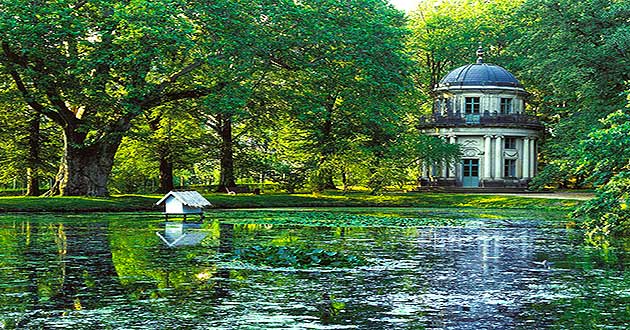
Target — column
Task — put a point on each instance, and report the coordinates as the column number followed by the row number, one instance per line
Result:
column 526, row 158
column 452, row 169
column 498, row 158
column 425, row 170
column 444, row 166
column 532, row 155
column 487, row 160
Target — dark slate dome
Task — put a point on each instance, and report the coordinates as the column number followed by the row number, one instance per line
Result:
column 480, row 74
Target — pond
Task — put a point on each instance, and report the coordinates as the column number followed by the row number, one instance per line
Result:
column 309, row 269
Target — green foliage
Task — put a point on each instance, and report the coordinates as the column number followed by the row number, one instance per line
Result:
column 92, row 67
column 283, row 155
column 605, row 158
column 173, row 135
column 445, row 35
column 411, row 149
column 296, row 257
column 348, row 76
column 573, row 57
column 14, row 133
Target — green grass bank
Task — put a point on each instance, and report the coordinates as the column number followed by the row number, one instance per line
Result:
column 131, row 203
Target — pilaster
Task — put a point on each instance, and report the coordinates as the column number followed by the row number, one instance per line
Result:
column 487, row 160
column 498, row 157
column 526, row 159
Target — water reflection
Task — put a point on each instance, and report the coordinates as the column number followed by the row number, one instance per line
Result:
column 181, row 234
column 83, row 273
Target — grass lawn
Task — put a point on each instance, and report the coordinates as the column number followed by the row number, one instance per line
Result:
column 130, row 203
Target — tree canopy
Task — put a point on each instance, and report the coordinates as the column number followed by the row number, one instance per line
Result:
column 313, row 93
column 93, row 66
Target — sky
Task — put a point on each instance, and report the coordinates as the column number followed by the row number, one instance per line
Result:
column 405, row 5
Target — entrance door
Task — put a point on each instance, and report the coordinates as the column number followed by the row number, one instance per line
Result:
column 471, row 173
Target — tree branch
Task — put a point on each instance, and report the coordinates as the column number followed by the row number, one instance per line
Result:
column 180, row 95
column 30, row 99
column 79, row 4
column 63, row 116
column 173, row 78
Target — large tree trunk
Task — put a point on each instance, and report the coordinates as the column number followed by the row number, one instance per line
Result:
column 325, row 173
column 32, row 170
column 166, row 174
column 86, row 169
column 324, row 179
column 227, row 153
column 164, row 154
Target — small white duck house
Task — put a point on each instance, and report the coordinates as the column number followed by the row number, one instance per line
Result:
column 183, row 203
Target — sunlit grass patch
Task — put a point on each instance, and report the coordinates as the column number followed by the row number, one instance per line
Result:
column 327, row 199
column 491, row 216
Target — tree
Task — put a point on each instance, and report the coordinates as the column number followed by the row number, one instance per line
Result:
column 177, row 138
column 346, row 76
column 604, row 159
column 92, row 67
column 245, row 102
column 573, row 57
column 409, row 150
column 29, row 152
column 168, row 140
column 445, row 35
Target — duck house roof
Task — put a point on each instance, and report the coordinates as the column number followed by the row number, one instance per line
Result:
column 188, row 198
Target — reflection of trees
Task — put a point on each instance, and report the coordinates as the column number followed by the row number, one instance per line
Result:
column 32, row 257
column 149, row 269
column 226, row 249
column 89, row 277
column 13, row 240
column 59, row 267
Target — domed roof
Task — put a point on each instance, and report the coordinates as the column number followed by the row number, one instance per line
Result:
column 480, row 74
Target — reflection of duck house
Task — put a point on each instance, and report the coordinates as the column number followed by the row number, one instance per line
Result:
column 183, row 203
column 174, row 235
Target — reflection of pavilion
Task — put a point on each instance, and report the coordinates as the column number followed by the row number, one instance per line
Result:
column 180, row 234
column 482, row 276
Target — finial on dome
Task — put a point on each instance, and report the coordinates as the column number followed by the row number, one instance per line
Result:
column 480, row 53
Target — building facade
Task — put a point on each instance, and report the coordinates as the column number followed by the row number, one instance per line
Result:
column 481, row 107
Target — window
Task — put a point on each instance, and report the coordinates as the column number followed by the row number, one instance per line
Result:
column 506, row 105
column 471, row 167
column 509, row 170
column 472, row 105
column 443, row 106
column 510, row 143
